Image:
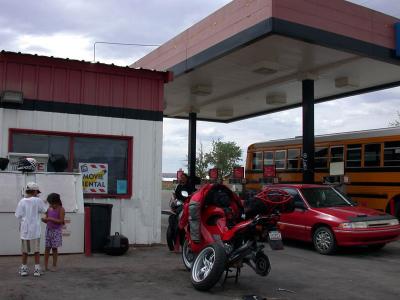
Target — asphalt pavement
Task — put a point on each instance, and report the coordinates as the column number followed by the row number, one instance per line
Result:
column 298, row 272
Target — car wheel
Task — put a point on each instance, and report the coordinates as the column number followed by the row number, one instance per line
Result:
column 324, row 240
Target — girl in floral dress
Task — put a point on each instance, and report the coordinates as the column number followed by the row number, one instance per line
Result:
column 55, row 221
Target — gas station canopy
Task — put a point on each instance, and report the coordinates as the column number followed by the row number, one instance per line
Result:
column 250, row 57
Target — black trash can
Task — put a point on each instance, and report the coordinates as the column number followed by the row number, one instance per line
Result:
column 100, row 224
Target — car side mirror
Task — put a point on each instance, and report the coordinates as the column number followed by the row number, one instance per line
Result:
column 300, row 205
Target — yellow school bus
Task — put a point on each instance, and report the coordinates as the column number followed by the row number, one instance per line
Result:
column 371, row 161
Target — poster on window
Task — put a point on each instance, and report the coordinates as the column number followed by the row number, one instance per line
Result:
column 94, row 178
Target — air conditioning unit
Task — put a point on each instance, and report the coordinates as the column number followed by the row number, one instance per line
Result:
column 14, row 97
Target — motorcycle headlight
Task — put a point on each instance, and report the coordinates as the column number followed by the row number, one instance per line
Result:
column 353, row 225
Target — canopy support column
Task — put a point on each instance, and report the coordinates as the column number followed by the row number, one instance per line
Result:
column 308, row 130
column 192, row 145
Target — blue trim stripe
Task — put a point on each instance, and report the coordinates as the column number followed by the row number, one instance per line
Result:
column 397, row 38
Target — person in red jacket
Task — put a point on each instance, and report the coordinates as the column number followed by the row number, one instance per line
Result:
column 210, row 194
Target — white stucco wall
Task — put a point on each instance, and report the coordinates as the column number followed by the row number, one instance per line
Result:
column 138, row 218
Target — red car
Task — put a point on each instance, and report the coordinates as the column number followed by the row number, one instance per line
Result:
column 329, row 219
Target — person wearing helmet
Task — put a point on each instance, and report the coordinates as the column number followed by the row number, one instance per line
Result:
column 184, row 185
column 210, row 194
column 28, row 212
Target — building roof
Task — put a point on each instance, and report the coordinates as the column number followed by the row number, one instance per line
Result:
column 81, row 87
column 342, row 136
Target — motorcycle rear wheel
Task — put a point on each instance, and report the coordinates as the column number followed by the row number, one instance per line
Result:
column 188, row 256
column 208, row 267
column 170, row 238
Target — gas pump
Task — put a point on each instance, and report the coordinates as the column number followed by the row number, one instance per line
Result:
column 269, row 176
column 237, row 181
column 213, row 175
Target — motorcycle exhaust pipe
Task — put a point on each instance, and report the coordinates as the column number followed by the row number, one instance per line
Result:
column 241, row 252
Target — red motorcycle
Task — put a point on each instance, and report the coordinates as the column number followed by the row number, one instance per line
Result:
column 228, row 239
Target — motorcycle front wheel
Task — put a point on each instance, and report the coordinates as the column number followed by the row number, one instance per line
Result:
column 208, row 267
column 188, row 256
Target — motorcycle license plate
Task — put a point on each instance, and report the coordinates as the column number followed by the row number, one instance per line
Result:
column 274, row 236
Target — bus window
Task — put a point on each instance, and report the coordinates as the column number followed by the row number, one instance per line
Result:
column 392, row 154
column 321, row 158
column 337, row 153
column 280, row 159
column 372, row 155
column 353, row 156
column 257, row 161
column 268, row 158
column 293, row 158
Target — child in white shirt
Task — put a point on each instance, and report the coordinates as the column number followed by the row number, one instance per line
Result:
column 29, row 212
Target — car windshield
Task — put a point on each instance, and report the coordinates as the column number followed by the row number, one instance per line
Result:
column 324, row 197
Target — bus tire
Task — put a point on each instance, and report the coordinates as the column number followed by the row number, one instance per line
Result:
column 396, row 212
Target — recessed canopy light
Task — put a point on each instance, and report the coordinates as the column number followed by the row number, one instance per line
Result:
column 224, row 112
column 201, row 90
column 276, row 99
column 266, row 68
column 343, row 82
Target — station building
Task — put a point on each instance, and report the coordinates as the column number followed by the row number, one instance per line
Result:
column 105, row 116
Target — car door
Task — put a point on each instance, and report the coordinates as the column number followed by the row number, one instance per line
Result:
column 292, row 224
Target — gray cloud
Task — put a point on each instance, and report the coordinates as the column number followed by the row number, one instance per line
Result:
column 155, row 21
column 124, row 21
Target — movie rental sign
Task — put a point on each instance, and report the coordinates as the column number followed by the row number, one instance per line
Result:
column 94, row 178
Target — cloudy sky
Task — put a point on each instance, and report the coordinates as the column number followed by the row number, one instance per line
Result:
column 70, row 28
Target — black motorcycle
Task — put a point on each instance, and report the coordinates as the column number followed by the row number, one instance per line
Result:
column 173, row 233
